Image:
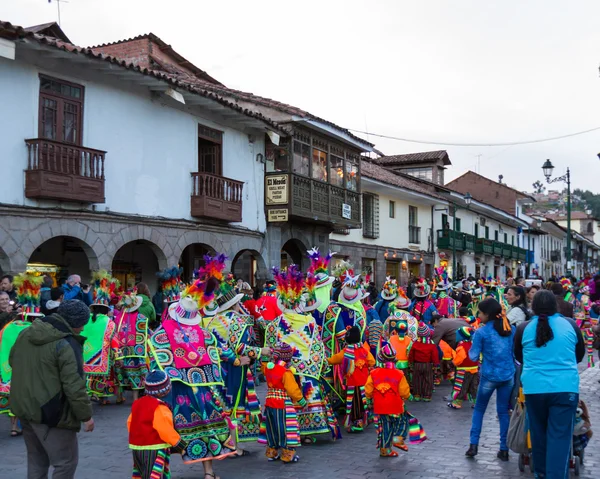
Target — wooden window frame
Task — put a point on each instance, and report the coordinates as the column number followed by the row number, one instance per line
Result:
column 392, row 209
column 214, row 136
column 60, row 99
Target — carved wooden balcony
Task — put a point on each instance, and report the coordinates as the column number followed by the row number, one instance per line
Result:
column 216, row 197
column 64, row 172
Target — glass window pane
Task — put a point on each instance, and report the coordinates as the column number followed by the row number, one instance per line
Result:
column 301, row 158
column 70, row 122
column 336, row 176
column 351, row 176
column 319, row 165
column 49, row 108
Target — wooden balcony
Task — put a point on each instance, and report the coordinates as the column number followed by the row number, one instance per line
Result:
column 484, row 246
column 313, row 200
column 64, row 172
column 448, row 239
column 216, row 197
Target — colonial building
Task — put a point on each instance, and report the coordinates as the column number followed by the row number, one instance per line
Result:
column 582, row 222
column 128, row 157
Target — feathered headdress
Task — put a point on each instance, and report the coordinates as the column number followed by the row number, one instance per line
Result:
column 104, row 287
column 389, row 291
column 422, row 289
column 311, row 289
column 213, row 267
column 202, row 292
column 210, row 281
column 170, row 280
column 319, row 266
column 343, row 270
column 28, row 289
column 290, row 284
column 566, row 283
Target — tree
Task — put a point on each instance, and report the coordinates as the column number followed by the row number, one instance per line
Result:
column 539, row 187
column 591, row 200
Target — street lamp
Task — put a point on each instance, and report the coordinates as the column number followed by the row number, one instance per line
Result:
column 547, row 168
column 467, row 199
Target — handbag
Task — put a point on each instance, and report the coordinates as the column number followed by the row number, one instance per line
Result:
column 517, row 434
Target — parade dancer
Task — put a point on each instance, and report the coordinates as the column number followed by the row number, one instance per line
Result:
column 170, row 283
column 389, row 293
column 588, row 338
column 28, row 288
column 319, row 267
column 281, row 423
column 132, row 337
column 421, row 307
column 101, row 346
column 297, row 327
column 423, row 359
column 355, row 360
column 444, row 304
column 152, row 435
column 466, row 381
column 191, row 357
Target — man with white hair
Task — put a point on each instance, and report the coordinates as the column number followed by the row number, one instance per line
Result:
column 73, row 290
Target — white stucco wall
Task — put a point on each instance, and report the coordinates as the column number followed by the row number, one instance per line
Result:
column 151, row 147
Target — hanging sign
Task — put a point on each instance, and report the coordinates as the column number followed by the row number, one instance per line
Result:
column 276, row 191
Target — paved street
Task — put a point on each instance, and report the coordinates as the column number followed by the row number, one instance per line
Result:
column 104, row 452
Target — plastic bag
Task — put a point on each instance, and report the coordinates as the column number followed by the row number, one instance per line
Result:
column 517, row 435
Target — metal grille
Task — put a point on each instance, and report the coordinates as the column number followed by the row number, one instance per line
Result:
column 370, row 215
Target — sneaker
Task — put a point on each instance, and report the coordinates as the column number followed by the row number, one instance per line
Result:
column 502, row 455
column 472, row 452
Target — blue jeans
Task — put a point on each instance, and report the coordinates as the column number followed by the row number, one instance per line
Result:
column 551, row 417
column 484, row 393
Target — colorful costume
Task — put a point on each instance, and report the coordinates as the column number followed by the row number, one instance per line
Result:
column 132, row 337
column 389, row 293
column 101, row 346
column 447, row 366
column 423, row 358
column 319, row 267
column 421, row 307
column 281, row 424
column 588, row 338
column 355, row 360
column 301, row 332
column 388, row 387
column 189, row 355
column 444, row 304
column 466, row 381
column 152, row 435
column 170, row 280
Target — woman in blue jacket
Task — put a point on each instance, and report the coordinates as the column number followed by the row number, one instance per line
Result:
column 493, row 341
column 549, row 347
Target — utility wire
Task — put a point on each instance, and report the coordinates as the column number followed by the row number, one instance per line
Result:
column 447, row 143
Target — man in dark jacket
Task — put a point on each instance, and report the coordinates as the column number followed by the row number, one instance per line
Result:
column 48, row 390
column 564, row 307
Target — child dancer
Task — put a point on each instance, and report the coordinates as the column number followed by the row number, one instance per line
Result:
column 281, row 423
column 401, row 343
column 588, row 338
column 466, row 381
column 356, row 359
column 423, row 359
column 388, row 387
column 152, row 435
column 447, row 366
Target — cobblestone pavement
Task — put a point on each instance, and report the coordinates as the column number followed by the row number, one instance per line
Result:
column 104, row 452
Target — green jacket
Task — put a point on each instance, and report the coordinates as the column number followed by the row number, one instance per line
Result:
column 48, row 383
column 147, row 309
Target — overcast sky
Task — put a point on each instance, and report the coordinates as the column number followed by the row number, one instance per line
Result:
column 462, row 71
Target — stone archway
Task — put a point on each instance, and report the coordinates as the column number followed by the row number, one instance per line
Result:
column 138, row 261
column 249, row 266
column 192, row 258
column 62, row 256
column 294, row 251
column 5, row 266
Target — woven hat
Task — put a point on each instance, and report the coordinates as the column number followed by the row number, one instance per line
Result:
column 423, row 330
column 290, row 284
column 422, row 289
column 170, row 280
column 353, row 335
column 319, row 267
column 464, row 333
column 270, row 287
column 130, row 301
column 387, row 353
column 104, row 287
column 311, row 302
column 211, row 309
column 158, row 384
column 194, row 298
column 28, row 288
column 402, row 300
column 283, row 352
column 442, row 279
column 350, row 292
column 389, row 291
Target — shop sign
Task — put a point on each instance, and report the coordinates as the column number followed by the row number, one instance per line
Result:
column 277, row 215
column 276, row 192
column 346, row 211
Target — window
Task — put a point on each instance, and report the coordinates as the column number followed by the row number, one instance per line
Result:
column 457, row 224
column 351, row 175
column 476, row 230
column 370, row 215
column 506, row 238
column 336, row 176
column 445, row 224
column 512, row 240
column 487, row 232
column 301, row 158
column 421, row 173
column 319, row 165
column 496, row 235
column 391, row 269
column 61, row 110
column 392, row 209
column 414, row 231
column 590, row 227
column 210, row 154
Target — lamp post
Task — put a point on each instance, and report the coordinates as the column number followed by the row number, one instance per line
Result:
column 467, row 199
column 547, row 168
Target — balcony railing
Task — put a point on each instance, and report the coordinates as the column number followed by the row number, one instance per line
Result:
column 484, row 246
column 64, row 172
column 469, row 242
column 216, row 197
column 414, row 234
column 497, row 248
column 448, row 239
column 507, row 251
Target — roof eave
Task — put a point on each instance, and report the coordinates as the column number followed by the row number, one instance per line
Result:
column 363, row 145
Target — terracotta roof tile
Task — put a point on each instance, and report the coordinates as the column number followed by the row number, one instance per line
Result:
column 414, row 158
column 378, row 173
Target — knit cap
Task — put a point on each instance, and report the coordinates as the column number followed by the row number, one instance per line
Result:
column 387, row 353
column 423, row 330
column 464, row 333
column 283, row 352
column 74, row 312
column 158, row 384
